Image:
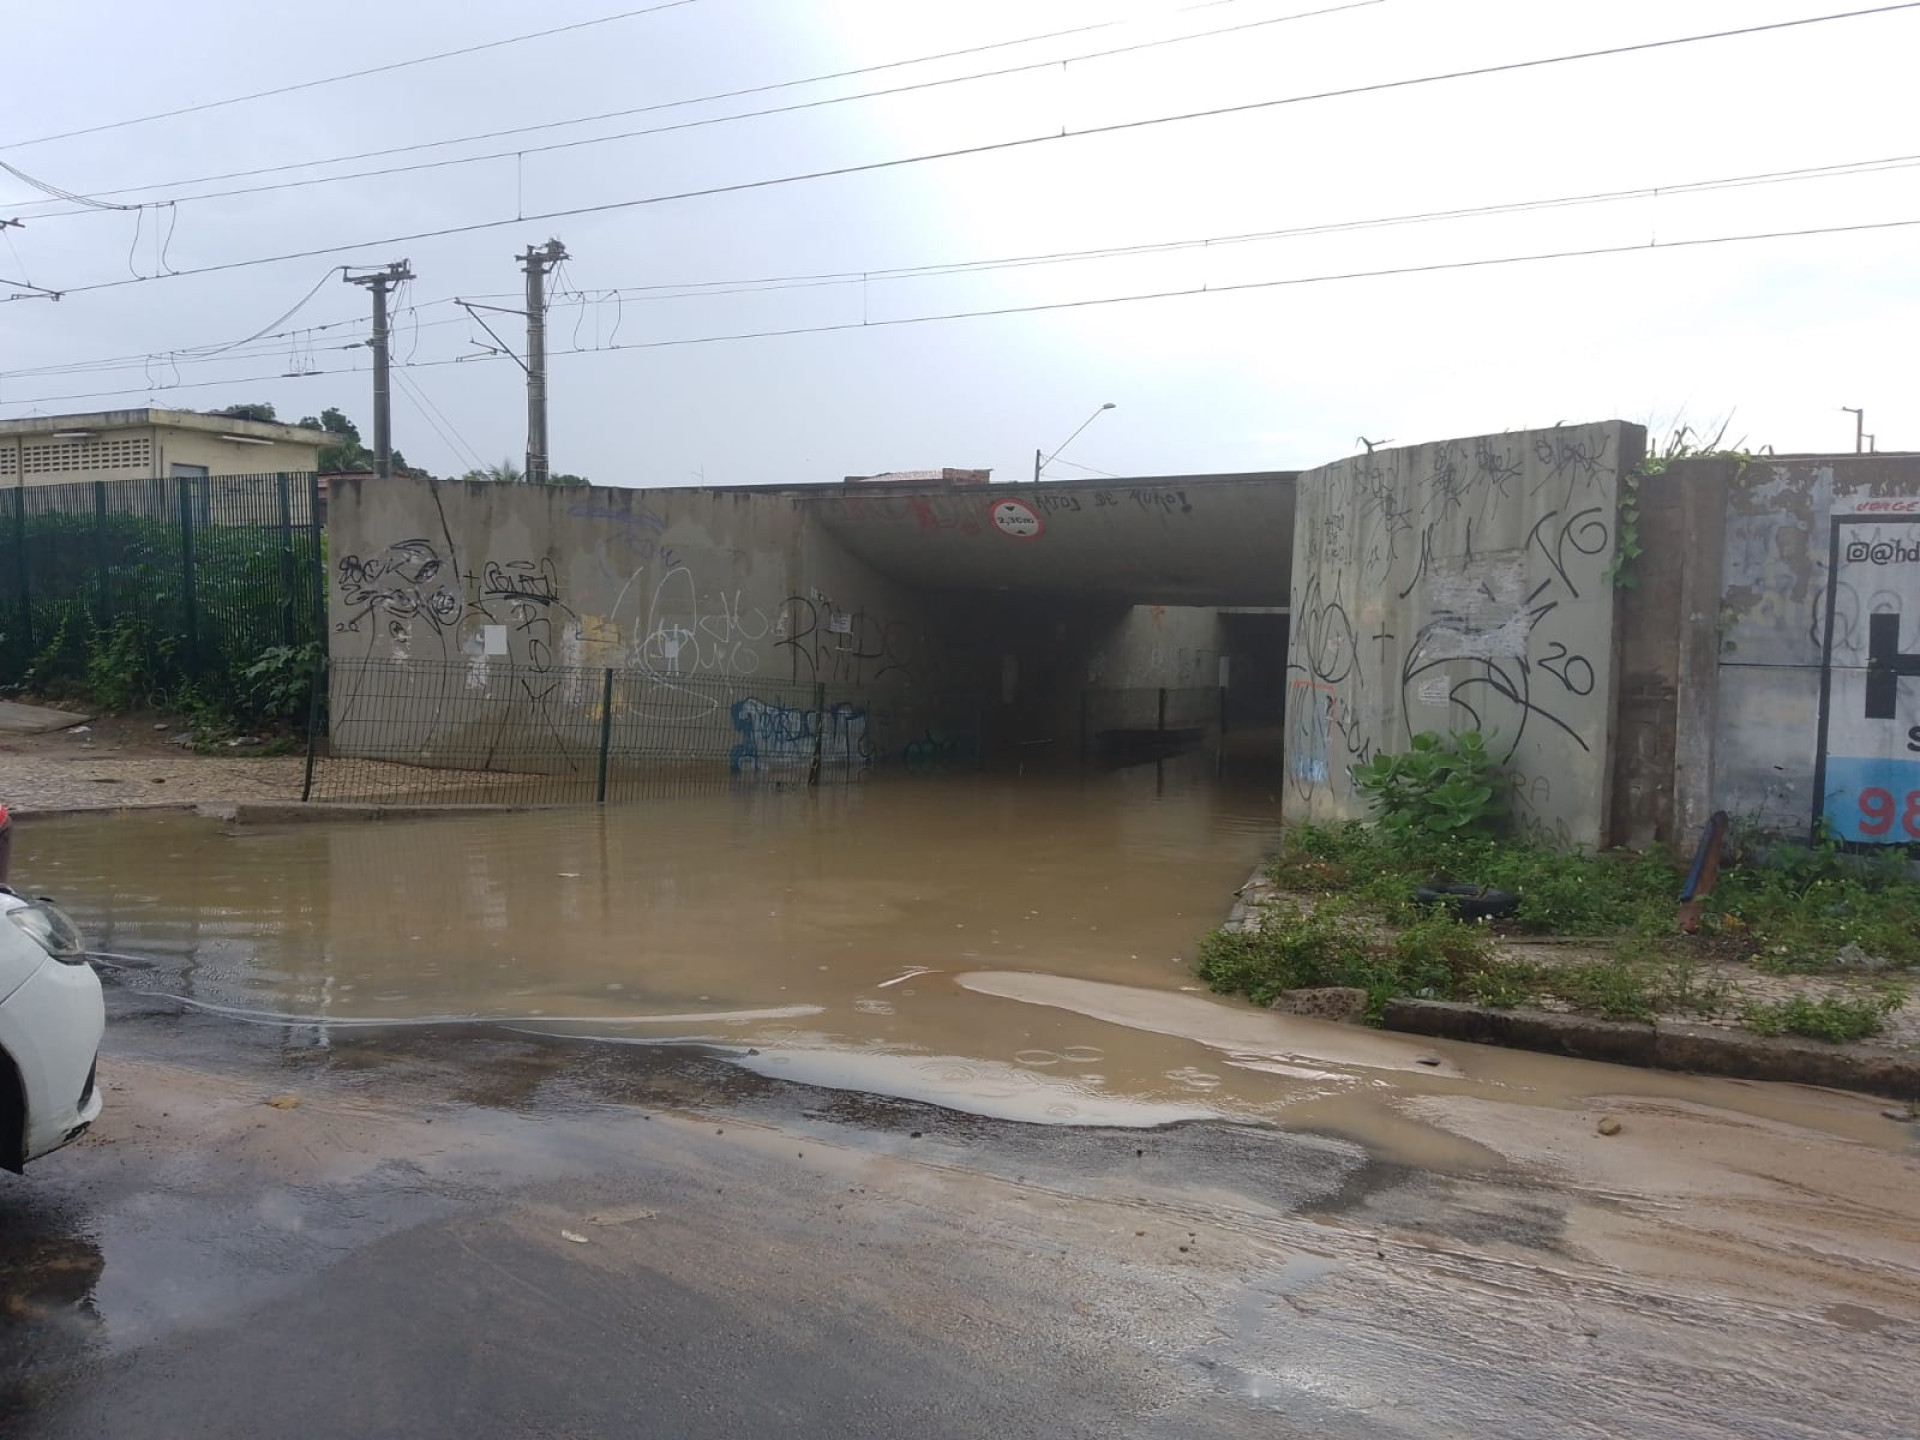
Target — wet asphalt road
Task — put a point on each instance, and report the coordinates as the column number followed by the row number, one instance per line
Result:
column 390, row 1257
column 394, row 1255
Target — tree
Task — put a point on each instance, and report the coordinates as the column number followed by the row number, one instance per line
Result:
column 504, row 473
column 261, row 412
column 348, row 452
column 508, row 473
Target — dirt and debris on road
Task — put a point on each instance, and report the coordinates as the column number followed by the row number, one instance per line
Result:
column 398, row 1255
column 112, row 762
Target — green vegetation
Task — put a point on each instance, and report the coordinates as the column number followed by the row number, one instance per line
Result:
column 506, row 472
column 1793, row 910
column 1560, row 893
column 1681, row 443
column 113, row 625
column 348, row 452
column 1830, row 1017
column 1443, row 786
column 1438, row 957
column 1351, row 917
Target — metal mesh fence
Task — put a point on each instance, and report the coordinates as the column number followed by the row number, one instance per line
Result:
column 1122, row 724
column 487, row 732
column 182, row 579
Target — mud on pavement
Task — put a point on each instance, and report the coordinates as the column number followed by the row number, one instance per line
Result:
column 450, row 1230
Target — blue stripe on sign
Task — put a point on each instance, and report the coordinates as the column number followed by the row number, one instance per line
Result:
column 1873, row 799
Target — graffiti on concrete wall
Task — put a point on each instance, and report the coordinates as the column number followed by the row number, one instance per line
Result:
column 388, row 590
column 1450, row 587
column 967, row 513
column 776, row 736
column 841, row 647
column 689, row 632
column 414, row 590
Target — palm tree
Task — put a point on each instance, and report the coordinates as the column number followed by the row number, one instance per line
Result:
column 504, row 473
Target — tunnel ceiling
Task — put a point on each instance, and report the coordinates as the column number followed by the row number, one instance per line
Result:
column 1163, row 540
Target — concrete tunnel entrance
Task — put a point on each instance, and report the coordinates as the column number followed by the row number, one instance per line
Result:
column 1106, row 621
column 599, row 641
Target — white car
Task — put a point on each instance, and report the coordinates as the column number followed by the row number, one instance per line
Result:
column 51, row 1021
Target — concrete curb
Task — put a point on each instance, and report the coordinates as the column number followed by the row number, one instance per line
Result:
column 294, row 812
column 59, row 812
column 1667, row 1045
column 1248, row 899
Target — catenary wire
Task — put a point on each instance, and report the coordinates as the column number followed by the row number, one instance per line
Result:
column 695, row 290
column 735, row 94
column 991, row 147
column 301, row 85
column 89, row 206
column 1186, row 292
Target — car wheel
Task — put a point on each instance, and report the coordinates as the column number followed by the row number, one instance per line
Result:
column 13, row 1117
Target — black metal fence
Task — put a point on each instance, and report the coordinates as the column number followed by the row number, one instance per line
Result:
column 170, row 580
column 489, row 732
column 1123, row 725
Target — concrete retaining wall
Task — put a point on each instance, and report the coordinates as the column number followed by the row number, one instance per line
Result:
column 1722, row 640
column 1455, row 586
column 533, row 589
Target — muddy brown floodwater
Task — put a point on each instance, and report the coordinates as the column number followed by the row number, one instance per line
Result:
column 828, row 930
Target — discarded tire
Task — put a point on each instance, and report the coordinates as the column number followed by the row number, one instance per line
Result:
column 1469, row 902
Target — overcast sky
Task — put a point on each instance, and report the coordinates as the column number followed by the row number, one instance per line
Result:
column 1778, row 333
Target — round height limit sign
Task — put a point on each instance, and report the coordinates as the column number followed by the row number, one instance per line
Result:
column 1016, row 518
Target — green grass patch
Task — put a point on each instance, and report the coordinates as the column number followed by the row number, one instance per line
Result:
column 1300, row 948
column 1795, row 910
column 1788, row 910
column 1831, row 1017
column 1791, row 910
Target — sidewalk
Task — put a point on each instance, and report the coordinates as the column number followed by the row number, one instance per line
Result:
column 124, row 762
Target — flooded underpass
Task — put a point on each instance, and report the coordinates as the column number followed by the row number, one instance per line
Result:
column 844, row 931
column 759, row 1049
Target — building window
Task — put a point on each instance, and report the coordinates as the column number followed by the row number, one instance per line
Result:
column 71, row 457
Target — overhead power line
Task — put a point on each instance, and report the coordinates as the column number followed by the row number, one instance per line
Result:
column 997, row 146
column 696, row 290
column 799, row 106
column 705, row 289
column 349, row 75
column 1185, row 292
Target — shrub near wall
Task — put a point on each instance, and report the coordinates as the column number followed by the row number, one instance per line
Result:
column 129, row 610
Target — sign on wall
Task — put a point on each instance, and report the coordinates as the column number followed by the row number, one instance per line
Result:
column 1869, row 756
column 1016, row 518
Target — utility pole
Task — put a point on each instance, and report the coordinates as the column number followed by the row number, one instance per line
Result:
column 380, row 282
column 538, row 262
column 1859, row 428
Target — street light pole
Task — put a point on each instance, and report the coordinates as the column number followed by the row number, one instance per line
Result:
column 1859, row 427
column 1040, row 464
